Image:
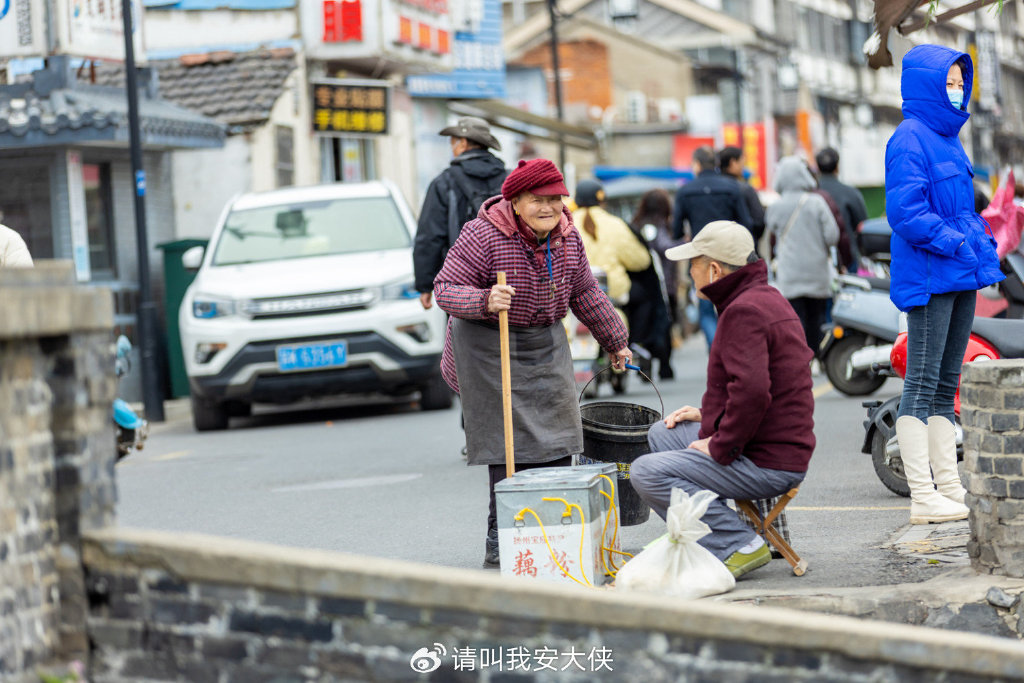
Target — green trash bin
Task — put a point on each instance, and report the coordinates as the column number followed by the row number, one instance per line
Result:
column 176, row 281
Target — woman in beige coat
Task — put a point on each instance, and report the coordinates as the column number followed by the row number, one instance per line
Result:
column 608, row 241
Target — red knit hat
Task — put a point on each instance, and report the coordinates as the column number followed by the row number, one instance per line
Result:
column 539, row 176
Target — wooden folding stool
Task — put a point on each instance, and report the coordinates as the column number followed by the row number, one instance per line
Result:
column 764, row 527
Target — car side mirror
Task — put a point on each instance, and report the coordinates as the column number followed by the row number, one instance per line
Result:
column 193, row 258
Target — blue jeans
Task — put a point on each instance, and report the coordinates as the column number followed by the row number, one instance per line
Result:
column 708, row 319
column 937, row 335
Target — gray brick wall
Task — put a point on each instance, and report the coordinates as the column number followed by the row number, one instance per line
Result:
column 28, row 520
column 992, row 412
column 56, row 458
column 192, row 608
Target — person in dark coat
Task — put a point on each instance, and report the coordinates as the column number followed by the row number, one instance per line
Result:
column 848, row 198
column 454, row 197
column 753, row 435
column 730, row 161
column 652, row 299
column 710, row 196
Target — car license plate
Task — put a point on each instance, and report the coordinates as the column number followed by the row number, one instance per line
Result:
column 312, row 356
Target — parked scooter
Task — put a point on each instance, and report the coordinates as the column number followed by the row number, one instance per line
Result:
column 130, row 430
column 991, row 339
column 855, row 349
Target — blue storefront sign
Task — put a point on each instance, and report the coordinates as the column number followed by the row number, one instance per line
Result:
column 479, row 62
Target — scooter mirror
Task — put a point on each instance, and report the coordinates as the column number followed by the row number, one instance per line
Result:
column 193, row 258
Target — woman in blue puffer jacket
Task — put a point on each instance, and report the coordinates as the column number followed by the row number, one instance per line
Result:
column 942, row 253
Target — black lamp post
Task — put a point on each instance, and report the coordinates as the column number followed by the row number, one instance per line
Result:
column 151, row 395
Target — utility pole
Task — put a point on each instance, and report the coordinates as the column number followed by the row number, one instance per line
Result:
column 152, row 399
column 556, row 67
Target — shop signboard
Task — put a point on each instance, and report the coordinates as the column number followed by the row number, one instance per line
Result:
column 94, row 29
column 408, row 31
column 22, row 28
column 345, row 107
column 479, row 59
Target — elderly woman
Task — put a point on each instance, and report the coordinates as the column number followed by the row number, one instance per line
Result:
column 528, row 233
column 942, row 253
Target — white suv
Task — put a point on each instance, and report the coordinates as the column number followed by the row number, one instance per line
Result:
column 308, row 292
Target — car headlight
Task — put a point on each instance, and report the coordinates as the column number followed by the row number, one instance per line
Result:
column 399, row 290
column 206, row 307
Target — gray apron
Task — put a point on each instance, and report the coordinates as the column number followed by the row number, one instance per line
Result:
column 545, row 412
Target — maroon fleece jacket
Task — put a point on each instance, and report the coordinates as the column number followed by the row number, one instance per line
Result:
column 758, row 401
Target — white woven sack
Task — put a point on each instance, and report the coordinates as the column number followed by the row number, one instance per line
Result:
column 676, row 564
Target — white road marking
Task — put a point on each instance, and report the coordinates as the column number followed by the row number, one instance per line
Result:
column 349, row 483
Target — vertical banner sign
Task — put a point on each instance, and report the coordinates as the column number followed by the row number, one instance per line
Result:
column 76, row 211
column 343, row 21
column 350, row 107
column 21, row 28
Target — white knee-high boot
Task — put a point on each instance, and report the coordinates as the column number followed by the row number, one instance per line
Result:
column 926, row 504
column 942, row 455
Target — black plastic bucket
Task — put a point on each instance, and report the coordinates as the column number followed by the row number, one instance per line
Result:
column 616, row 432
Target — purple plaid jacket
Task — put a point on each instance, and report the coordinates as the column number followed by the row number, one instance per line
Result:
column 495, row 242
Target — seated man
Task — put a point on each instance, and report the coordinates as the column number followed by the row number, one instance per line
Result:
column 754, row 433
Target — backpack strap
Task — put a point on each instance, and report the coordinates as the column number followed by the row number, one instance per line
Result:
column 454, row 224
column 792, row 218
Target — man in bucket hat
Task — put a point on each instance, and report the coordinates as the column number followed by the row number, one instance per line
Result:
column 753, row 435
column 454, row 197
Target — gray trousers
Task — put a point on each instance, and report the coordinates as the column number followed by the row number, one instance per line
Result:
column 673, row 465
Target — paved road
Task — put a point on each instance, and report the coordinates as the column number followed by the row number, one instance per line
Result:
column 384, row 479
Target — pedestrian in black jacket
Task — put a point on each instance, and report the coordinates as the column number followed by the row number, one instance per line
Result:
column 708, row 197
column 454, row 197
column 730, row 161
column 848, row 198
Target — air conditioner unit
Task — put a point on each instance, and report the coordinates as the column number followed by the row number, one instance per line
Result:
column 636, row 107
column 670, row 110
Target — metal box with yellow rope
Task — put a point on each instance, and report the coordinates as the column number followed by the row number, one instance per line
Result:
column 560, row 524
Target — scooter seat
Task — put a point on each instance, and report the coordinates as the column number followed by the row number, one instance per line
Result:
column 1006, row 335
column 880, row 283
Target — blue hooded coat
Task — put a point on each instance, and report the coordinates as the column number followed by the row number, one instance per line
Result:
column 939, row 243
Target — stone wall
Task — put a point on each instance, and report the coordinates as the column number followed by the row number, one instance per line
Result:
column 992, row 412
column 166, row 607
column 56, row 457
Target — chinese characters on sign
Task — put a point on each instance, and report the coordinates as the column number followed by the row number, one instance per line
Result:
column 21, row 29
column 350, row 107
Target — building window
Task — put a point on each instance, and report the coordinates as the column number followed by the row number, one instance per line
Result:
column 25, row 203
column 284, row 138
column 99, row 215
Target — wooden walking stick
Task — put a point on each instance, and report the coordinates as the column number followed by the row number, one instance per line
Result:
column 506, row 387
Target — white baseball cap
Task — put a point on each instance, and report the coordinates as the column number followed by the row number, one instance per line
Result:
column 724, row 241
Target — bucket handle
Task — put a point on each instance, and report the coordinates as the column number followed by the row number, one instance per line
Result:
column 629, row 367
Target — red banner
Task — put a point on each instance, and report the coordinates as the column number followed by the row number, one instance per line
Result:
column 343, row 21
column 683, row 147
column 351, row 20
column 751, row 139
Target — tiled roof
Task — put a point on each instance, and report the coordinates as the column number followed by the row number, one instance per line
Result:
column 237, row 89
column 79, row 113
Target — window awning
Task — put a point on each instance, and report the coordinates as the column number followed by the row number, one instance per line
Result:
column 517, row 120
